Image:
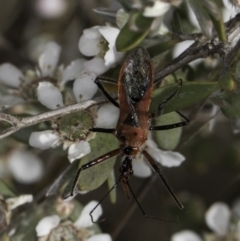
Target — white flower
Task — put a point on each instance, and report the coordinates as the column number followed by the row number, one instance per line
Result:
column 95, row 40
column 46, row 225
column 186, row 235
column 158, row 9
column 84, row 220
column 50, row 96
column 165, row 158
column 51, row 8
column 25, row 167
column 217, row 218
column 10, row 75
column 48, row 64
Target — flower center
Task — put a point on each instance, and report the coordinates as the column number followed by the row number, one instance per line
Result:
column 74, row 127
column 66, row 231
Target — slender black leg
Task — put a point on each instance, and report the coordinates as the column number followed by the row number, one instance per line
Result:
column 100, row 86
column 143, row 212
column 156, row 168
column 102, row 130
column 171, row 126
column 88, row 165
column 161, row 106
column 106, row 195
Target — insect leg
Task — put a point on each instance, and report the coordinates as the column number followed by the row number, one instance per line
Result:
column 156, row 168
column 161, row 106
column 88, row 165
column 171, row 126
column 102, row 130
column 100, row 86
column 143, row 212
column 102, row 199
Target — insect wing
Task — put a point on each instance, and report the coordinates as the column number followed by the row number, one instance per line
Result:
column 135, row 89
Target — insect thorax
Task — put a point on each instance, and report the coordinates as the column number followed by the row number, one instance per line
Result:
column 131, row 139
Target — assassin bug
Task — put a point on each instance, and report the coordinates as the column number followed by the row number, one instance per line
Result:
column 135, row 87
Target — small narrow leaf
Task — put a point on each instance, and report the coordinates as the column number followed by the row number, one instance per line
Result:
column 94, row 176
column 215, row 13
column 189, row 94
column 229, row 102
column 133, row 32
column 227, row 82
column 161, row 47
column 202, row 17
column 111, row 181
column 168, row 139
column 5, row 190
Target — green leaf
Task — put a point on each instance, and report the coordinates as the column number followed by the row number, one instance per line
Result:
column 215, row 13
column 189, row 94
column 94, row 177
column 229, row 102
column 133, row 32
column 202, row 17
column 5, row 190
column 162, row 47
column 227, row 81
column 111, row 181
column 168, row 139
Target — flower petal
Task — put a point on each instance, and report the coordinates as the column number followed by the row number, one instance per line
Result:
column 78, row 150
column 186, row 235
column 43, row 139
column 46, row 224
column 9, row 100
column 89, row 41
column 49, row 95
column 107, row 116
column 51, row 9
column 25, row 167
column 49, row 58
column 84, row 87
column 84, row 219
column 140, row 167
column 73, row 70
column 110, row 34
column 96, row 66
column 217, row 218
column 165, row 158
column 10, row 75
column 15, row 202
column 112, row 56
column 100, row 237
column 158, row 9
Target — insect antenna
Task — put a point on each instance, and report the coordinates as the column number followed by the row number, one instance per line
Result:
column 156, row 168
column 104, row 197
column 143, row 212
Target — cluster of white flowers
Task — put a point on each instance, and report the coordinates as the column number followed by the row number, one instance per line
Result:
column 50, row 227
column 72, row 131
column 49, row 81
column 219, row 219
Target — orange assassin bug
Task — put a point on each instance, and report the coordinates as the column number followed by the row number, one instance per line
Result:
column 135, row 87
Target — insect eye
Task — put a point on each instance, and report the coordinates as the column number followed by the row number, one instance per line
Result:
column 122, row 137
column 127, row 150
